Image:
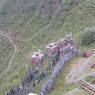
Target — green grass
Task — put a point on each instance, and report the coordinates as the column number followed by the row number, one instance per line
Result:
column 31, row 31
column 6, row 52
column 60, row 86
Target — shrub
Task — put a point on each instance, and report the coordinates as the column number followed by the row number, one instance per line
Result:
column 88, row 36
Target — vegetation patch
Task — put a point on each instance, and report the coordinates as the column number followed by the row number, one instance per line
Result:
column 6, row 52
column 88, row 36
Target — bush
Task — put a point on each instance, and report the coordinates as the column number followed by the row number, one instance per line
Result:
column 88, row 36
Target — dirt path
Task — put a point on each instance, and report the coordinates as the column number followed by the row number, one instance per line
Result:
column 9, row 37
column 83, row 71
column 74, row 91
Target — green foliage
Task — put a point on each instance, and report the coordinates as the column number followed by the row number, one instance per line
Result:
column 88, row 36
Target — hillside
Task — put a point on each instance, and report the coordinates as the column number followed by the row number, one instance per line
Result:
column 32, row 24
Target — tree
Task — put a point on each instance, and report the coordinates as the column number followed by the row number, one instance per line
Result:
column 88, row 36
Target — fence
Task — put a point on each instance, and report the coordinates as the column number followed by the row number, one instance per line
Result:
column 48, row 84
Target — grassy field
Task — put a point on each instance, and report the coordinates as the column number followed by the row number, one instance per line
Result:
column 33, row 30
column 5, row 56
column 6, row 52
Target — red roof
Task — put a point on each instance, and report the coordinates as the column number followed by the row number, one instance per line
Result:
column 88, row 53
column 93, row 65
column 36, row 57
column 52, row 47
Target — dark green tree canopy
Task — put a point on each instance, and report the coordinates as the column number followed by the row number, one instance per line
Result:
column 88, row 36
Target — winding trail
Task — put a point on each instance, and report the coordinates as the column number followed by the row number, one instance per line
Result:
column 9, row 37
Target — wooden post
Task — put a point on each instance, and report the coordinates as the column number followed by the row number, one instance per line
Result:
column 87, row 86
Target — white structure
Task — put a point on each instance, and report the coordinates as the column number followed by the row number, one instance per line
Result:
column 68, row 37
column 52, row 45
column 32, row 94
column 37, row 57
column 52, row 48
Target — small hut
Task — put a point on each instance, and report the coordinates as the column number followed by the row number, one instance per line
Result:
column 37, row 57
column 68, row 39
column 62, row 45
column 93, row 65
column 88, row 53
column 52, row 48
